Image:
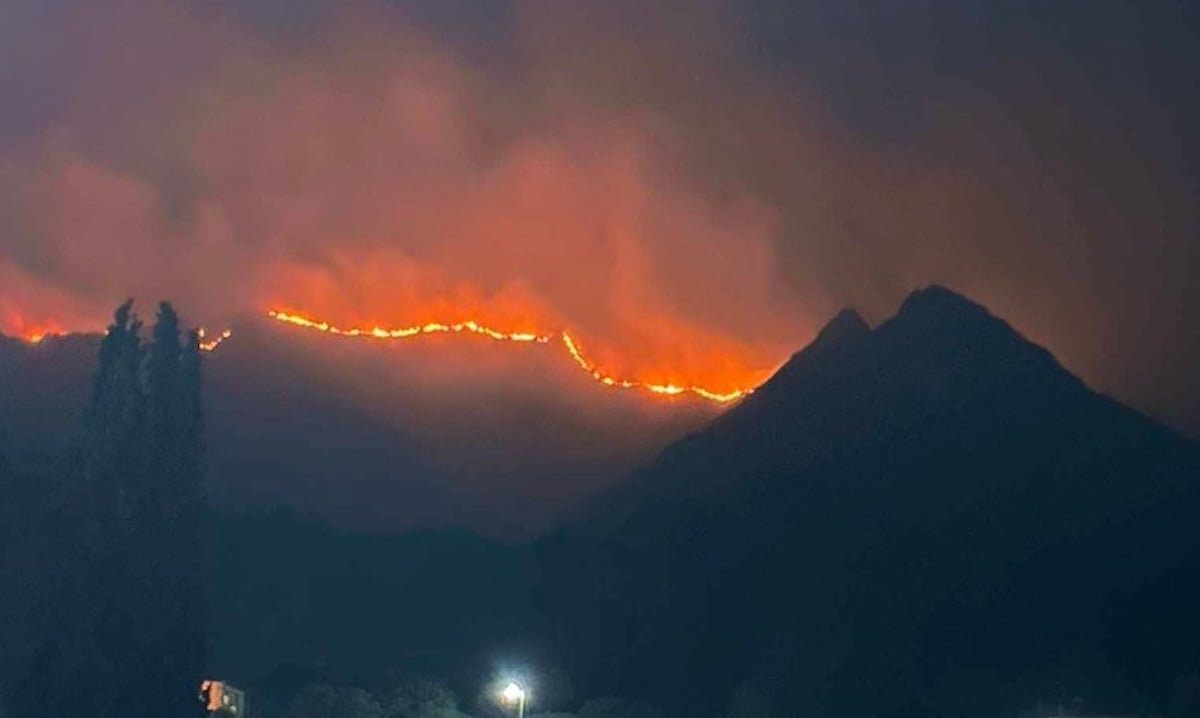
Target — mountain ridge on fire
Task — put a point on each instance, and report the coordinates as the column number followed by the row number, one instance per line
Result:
column 930, row 517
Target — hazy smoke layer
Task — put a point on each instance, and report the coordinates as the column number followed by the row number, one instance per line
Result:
column 691, row 186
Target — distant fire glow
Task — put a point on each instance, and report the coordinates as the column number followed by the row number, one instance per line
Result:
column 24, row 327
column 569, row 344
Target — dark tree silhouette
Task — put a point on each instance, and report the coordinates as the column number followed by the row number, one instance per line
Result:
column 169, row 549
column 80, row 663
column 127, row 632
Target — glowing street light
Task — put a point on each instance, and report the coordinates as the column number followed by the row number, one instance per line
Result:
column 514, row 693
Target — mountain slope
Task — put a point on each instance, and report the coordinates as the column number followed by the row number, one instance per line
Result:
column 269, row 442
column 895, row 507
column 373, row 435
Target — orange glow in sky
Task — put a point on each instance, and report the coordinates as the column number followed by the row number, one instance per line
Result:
column 23, row 326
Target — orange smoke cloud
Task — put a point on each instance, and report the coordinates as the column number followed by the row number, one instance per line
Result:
column 398, row 184
column 32, row 310
column 360, row 190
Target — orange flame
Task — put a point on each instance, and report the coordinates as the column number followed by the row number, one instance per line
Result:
column 300, row 320
column 30, row 330
column 210, row 344
column 576, row 354
column 569, row 344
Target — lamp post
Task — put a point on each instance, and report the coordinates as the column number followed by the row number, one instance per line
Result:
column 514, row 693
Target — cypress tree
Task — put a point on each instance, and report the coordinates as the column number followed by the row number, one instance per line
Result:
column 128, row 629
column 80, row 666
column 108, row 608
column 113, row 425
column 172, row 522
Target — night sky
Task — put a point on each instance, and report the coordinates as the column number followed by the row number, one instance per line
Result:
column 693, row 187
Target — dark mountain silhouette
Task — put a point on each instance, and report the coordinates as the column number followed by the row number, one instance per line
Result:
column 929, row 518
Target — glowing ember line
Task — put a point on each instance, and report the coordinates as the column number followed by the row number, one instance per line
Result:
column 408, row 332
column 663, row 389
column 211, row 344
column 570, row 346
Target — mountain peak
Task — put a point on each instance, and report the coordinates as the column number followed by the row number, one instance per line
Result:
column 846, row 328
column 950, row 335
column 840, row 337
column 846, row 325
column 941, row 304
column 940, row 315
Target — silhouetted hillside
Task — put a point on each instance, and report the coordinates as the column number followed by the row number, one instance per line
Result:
column 43, row 391
column 373, row 436
column 927, row 518
column 278, row 433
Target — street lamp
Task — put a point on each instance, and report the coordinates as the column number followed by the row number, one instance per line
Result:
column 514, row 693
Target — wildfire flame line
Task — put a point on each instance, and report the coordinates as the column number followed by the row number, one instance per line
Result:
column 407, row 332
column 210, row 344
column 569, row 344
column 206, row 343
